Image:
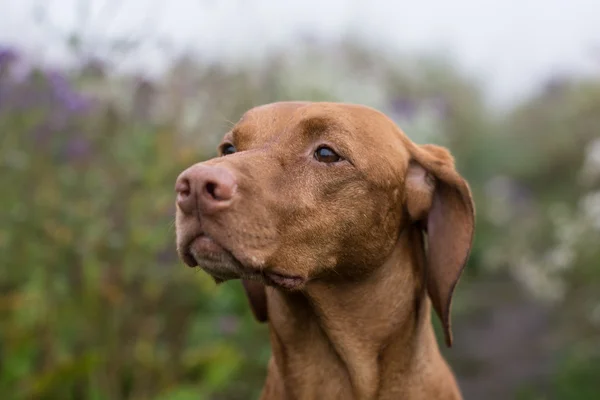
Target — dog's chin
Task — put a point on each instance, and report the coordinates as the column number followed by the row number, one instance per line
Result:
column 222, row 266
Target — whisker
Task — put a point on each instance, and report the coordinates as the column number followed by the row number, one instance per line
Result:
column 225, row 119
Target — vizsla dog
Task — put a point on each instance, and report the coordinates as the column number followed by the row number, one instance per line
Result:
column 344, row 233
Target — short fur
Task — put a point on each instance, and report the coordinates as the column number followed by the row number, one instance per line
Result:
column 344, row 260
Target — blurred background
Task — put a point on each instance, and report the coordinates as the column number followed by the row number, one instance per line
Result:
column 104, row 102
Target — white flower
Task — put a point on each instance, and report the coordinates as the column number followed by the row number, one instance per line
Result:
column 590, row 208
column 560, row 258
column 591, row 165
column 539, row 280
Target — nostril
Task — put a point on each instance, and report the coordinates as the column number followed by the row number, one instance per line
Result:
column 183, row 189
column 205, row 189
column 185, row 200
column 219, row 191
column 211, row 189
column 183, row 185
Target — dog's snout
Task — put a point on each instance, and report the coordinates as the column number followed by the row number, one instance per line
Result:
column 206, row 188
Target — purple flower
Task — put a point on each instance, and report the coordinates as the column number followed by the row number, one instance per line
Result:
column 77, row 148
column 65, row 94
column 4, row 95
column 7, row 56
column 27, row 96
column 404, row 108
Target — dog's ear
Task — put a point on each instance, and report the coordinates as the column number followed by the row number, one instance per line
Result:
column 439, row 199
column 257, row 297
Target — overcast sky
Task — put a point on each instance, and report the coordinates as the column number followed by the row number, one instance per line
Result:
column 512, row 44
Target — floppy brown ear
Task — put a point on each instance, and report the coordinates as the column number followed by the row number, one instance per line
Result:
column 257, row 297
column 441, row 199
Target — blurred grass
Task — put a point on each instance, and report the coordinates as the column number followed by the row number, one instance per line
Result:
column 93, row 301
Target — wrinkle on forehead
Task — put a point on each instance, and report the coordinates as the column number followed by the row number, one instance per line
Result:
column 376, row 144
column 264, row 123
column 309, row 118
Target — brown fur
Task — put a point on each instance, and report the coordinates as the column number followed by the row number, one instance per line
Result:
column 334, row 255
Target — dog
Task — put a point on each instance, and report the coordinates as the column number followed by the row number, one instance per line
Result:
column 344, row 233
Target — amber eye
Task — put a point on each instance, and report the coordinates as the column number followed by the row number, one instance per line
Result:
column 325, row 154
column 227, row 149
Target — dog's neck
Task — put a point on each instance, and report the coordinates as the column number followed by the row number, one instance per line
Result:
column 361, row 336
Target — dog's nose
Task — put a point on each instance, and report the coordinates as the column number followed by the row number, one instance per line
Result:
column 205, row 188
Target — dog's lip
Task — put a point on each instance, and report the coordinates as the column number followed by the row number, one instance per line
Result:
column 284, row 280
column 186, row 255
column 200, row 243
column 207, row 244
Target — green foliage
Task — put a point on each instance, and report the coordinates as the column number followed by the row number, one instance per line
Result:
column 94, row 303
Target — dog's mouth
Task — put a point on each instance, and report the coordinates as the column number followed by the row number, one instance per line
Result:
column 221, row 263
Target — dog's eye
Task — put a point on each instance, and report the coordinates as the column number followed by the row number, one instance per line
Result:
column 325, row 154
column 227, row 149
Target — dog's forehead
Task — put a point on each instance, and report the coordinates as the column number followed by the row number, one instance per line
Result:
column 270, row 120
column 279, row 111
column 374, row 139
column 263, row 123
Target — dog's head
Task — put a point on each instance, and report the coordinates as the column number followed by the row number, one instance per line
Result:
column 309, row 191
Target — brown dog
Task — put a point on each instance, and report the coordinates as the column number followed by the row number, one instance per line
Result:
column 321, row 210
